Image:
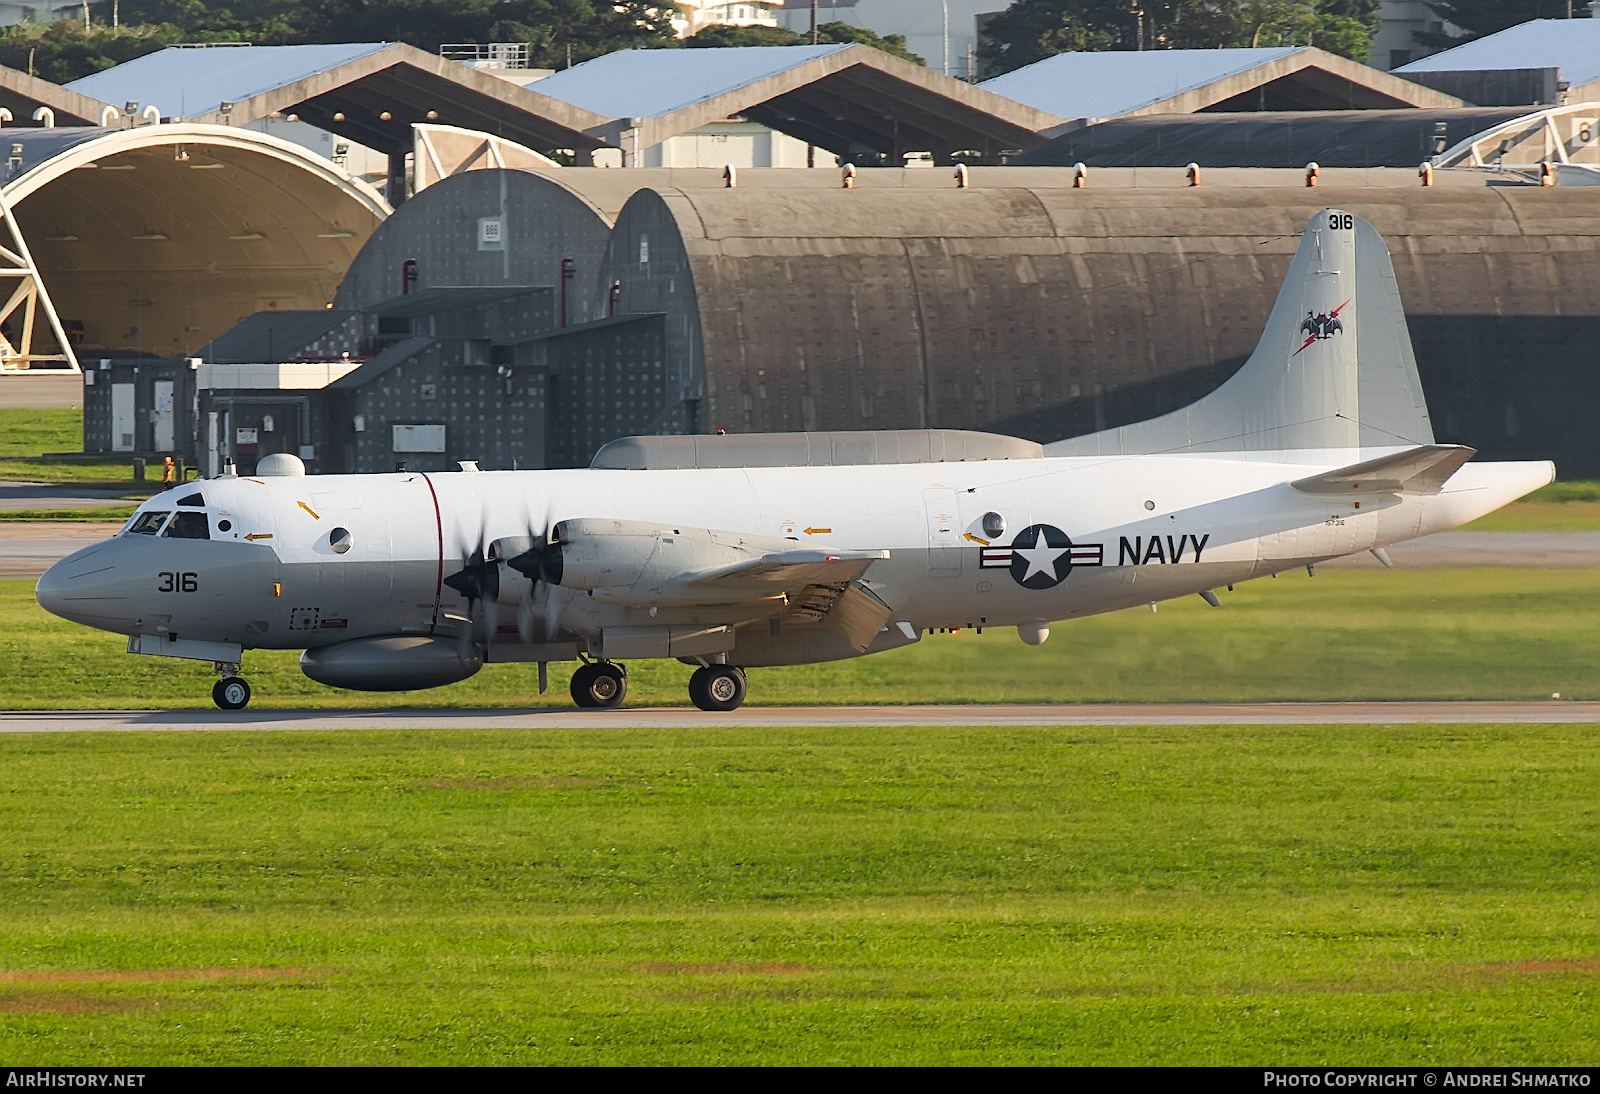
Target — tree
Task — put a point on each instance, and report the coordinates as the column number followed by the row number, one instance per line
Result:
column 64, row 51
column 553, row 29
column 1031, row 30
column 827, row 34
column 718, row 36
column 1479, row 18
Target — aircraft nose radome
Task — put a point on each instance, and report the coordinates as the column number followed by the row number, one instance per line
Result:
column 83, row 588
column 48, row 592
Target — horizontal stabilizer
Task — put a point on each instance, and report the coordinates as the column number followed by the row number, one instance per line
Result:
column 1422, row 470
column 795, row 569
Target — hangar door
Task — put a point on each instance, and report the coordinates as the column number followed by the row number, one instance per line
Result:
column 122, row 414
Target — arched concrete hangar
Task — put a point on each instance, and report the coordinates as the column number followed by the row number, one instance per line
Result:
column 158, row 238
column 1049, row 313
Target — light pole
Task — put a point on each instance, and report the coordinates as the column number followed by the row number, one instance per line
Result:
column 944, row 7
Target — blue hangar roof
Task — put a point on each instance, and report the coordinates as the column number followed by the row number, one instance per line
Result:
column 183, row 81
column 1106, row 85
column 1572, row 45
column 651, row 83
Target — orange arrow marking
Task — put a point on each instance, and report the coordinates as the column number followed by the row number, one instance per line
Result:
column 259, row 535
column 818, row 531
column 308, row 509
column 975, row 539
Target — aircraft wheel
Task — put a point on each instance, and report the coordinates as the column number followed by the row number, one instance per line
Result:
column 717, row 688
column 601, row 684
column 231, row 693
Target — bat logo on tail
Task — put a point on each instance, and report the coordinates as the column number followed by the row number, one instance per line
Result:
column 1318, row 327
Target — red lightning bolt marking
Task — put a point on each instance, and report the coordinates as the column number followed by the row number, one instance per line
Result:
column 1331, row 315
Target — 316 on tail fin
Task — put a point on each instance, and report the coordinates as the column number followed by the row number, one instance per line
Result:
column 1334, row 367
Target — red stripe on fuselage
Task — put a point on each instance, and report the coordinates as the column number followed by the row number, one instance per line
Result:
column 438, row 581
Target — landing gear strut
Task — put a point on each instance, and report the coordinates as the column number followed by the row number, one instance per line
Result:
column 601, row 684
column 717, row 688
column 231, row 693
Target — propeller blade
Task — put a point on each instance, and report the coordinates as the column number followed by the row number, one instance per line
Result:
column 525, row 617
column 552, row 612
column 491, row 621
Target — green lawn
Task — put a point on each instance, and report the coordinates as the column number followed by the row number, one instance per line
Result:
column 29, row 432
column 1345, row 634
column 112, row 512
column 1313, row 895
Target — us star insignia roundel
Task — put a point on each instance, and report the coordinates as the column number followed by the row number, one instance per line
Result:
column 1041, row 556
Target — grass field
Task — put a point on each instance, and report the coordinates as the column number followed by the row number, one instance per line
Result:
column 29, row 432
column 1345, row 634
column 1316, row 895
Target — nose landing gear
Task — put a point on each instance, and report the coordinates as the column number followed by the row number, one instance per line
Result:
column 717, row 688
column 231, row 693
column 602, row 684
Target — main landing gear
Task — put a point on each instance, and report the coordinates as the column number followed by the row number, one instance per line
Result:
column 601, row 684
column 231, row 692
column 717, row 687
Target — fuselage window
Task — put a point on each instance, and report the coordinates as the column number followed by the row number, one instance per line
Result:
column 195, row 500
column 148, row 524
column 188, row 526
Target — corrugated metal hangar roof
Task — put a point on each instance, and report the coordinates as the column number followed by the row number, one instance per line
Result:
column 369, row 92
column 1572, row 45
column 649, row 83
column 1109, row 84
column 1182, row 81
column 1343, row 138
column 852, row 100
column 185, row 82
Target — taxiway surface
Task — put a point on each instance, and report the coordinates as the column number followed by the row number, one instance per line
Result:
column 1143, row 714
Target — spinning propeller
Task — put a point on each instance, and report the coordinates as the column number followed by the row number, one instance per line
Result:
column 536, row 556
column 478, row 580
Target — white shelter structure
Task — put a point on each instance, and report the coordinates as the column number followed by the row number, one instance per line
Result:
column 1543, row 62
column 1120, row 84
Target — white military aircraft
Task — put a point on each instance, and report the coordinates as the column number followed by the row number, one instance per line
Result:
column 729, row 552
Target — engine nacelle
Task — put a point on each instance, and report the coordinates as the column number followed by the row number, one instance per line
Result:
column 653, row 559
column 397, row 662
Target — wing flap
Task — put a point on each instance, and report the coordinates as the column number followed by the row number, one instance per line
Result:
column 1421, row 470
column 787, row 570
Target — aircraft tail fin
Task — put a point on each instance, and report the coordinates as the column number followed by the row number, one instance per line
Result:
column 1333, row 369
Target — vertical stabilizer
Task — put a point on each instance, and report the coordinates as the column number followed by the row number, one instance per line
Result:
column 1333, row 369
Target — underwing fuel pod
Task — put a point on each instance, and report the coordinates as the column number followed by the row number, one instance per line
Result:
column 735, row 552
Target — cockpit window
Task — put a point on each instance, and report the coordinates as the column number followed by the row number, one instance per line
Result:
column 193, row 499
column 188, row 526
column 148, row 524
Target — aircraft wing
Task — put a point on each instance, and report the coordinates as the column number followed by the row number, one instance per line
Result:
column 789, row 570
column 1421, row 470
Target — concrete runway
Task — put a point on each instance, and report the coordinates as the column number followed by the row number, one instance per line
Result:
column 52, row 495
column 1525, row 713
column 28, row 548
column 41, row 389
